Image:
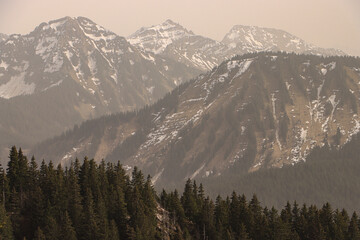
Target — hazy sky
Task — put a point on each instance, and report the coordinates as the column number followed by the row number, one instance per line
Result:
column 326, row 23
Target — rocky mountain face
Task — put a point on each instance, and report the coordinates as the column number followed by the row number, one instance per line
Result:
column 252, row 112
column 174, row 41
column 70, row 70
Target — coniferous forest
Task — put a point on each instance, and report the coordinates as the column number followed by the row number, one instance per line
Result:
column 100, row 201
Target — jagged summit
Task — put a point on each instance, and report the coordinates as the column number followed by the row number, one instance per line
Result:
column 73, row 25
column 156, row 38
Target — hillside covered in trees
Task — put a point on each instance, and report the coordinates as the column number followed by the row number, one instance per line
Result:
column 99, row 201
column 330, row 174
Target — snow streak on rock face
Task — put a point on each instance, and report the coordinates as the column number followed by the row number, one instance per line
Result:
column 16, row 85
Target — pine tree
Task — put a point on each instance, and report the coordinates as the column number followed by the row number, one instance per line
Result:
column 84, row 177
column 103, row 180
column 286, row 215
column 22, row 176
column 35, row 209
column 256, row 225
column 118, row 210
column 221, row 218
column 137, row 212
column 75, row 199
column 295, row 226
column 102, row 219
column 90, row 228
column 113, row 231
column 176, row 209
column 6, row 231
column 68, row 231
column 150, row 204
column 326, row 219
column 13, row 168
column 314, row 228
column 341, row 220
column 39, row 234
column 4, row 186
column 33, row 178
column 235, row 213
column 52, row 229
column 243, row 235
column 353, row 230
column 60, row 198
column 207, row 218
column 188, row 201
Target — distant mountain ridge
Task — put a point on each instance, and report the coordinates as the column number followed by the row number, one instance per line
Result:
column 256, row 39
column 71, row 69
column 173, row 40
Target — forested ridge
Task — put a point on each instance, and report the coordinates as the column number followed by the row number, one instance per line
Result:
column 330, row 174
column 100, row 201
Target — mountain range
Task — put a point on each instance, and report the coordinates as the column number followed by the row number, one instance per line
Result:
column 176, row 42
column 255, row 111
column 71, row 69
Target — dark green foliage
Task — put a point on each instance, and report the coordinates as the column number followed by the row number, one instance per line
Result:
column 99, row 201
column 67, row 230
column 84, row 201
column 6, row 231
column 39, row 234
column 236, row 218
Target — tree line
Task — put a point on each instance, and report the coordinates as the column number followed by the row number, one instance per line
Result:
column 91, row 200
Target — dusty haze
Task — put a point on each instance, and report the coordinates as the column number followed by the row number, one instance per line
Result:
column 326, row 23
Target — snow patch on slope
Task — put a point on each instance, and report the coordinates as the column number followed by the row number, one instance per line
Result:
column 16, row 86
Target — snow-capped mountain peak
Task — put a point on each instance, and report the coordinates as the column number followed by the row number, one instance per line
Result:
column 251, row 38
column 156, row 38
column 57, row 43
column 245, row 39
column 89, row 53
